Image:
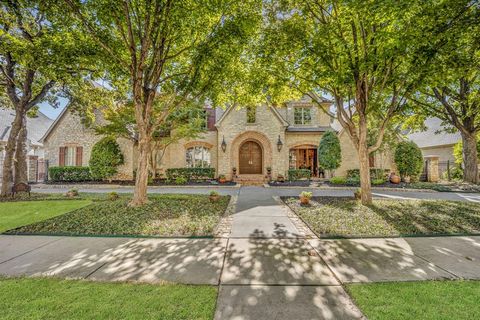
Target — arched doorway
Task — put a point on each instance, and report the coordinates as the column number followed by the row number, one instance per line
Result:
column 250, row 158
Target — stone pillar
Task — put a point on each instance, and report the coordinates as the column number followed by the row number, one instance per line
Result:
column 32, row 168
column 432, row 169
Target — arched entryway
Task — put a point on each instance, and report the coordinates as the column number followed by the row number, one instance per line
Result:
column 250, row 158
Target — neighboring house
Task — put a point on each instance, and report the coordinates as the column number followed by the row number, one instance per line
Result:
column 36, row 128
column 247, row 139
column 434, row 141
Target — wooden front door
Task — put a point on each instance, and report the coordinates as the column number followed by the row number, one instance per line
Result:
column 250, row 158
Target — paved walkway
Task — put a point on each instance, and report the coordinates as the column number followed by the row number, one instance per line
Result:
column 269, row 267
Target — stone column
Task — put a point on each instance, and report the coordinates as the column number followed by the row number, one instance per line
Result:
column 32, row 168
column 432, row 169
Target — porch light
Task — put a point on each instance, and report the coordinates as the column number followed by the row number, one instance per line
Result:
column 279, row 144
column 224, row 144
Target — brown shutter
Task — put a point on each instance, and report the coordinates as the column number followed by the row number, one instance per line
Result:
column 371, row 160
column 78, row 161
column 61, row 156
column 211, row 119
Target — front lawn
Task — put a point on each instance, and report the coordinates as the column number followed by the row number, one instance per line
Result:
column 433, row 300
column 335, row 216
column 165, row 215
column 20, row 213
column 23, row 298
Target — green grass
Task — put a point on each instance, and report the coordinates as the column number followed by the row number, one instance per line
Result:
column 17, row 214
column 22, row 298
column 432, row 300
column 165, row 215
column 335, row 216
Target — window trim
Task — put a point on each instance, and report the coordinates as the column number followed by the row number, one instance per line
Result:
column 203, row 158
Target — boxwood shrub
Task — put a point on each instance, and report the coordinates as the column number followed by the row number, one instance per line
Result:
column 69, row 174
column 375, row 173
column 298, row 174
column 190, row 174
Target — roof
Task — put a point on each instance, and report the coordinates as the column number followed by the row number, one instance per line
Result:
column 36, row 127
column 310, row 129
column 433, row 136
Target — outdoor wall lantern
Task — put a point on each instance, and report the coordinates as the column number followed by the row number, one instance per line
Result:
column 279, row 144
column 224, row 144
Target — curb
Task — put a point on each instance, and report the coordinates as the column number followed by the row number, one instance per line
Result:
column 355, row 188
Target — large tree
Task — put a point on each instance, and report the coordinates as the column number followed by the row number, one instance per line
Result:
column 359, row 52
column 451, row 88
column 176, row 48
column 38, row 59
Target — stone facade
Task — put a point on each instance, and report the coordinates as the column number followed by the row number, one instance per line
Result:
column 273, row 130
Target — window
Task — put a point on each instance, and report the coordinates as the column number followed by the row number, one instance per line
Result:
column 198, row 157
column 70, row 156
column 251, row 114
column 302, row 115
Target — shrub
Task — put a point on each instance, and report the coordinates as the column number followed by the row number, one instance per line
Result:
column 214, row 193
column 180, row 180
column 377, row 182
column 72, row 193
column 190, row 173
column 338, row 180
column 297, row 174
column 112, row 196
column 353, row 181
column 306, row 194
column 409, row 159
column 106, row 157
column 375, row 173
column 69, row 174
column 329, row 151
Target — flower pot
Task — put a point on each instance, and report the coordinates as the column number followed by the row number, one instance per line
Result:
column 304, row 200
column 222, row 180
column 394, row 179
column 406, row 179
column 214, row 198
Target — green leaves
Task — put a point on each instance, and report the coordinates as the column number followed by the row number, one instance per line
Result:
column 105, row 158
column 329, row 151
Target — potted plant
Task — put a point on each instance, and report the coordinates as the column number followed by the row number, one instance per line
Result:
column 222, row 178
column 357, row 194
column 214, row 196
column 72, row 193
column 394, row 178
column 406, row 179
column 112, row 196
column 305, row 197
column 280, row 178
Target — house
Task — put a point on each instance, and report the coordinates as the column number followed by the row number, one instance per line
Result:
column 250, row 140
column 436, row 143
column 36, row 128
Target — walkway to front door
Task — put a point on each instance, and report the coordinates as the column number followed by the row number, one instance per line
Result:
column 250, row 158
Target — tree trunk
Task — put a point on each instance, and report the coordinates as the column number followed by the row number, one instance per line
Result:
column 365, row 184
column 20, row 163
column 7, row 178
column 141, row 179
column 470, row 158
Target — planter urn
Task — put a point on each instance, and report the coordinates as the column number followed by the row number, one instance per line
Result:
column 394, row 178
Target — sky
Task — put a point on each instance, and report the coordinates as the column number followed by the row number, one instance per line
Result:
column 51, row 112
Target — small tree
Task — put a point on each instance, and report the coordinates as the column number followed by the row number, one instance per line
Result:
column 409, row 159
column 106, row 157
column 329, row 152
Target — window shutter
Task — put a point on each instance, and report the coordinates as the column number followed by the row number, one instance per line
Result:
column 371, row 160
column 61, row 156
column 210, row 119
column 78, row 161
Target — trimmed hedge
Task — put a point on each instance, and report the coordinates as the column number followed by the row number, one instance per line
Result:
column 375, row 173
column 69, row 174
column 190, row 173
column 106, row 157
column 297, row 174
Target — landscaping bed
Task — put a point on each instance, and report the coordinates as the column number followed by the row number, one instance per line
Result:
column 418, row 300
column 346, row 217
column 441, row 187
column 46, row 298
column 164, row 215
column 156, row 182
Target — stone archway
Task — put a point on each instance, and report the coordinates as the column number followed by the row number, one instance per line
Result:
column 256, row 141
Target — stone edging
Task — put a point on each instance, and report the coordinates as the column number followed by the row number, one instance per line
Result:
column 296, row 220
column 118, row 186
column 224, row 227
